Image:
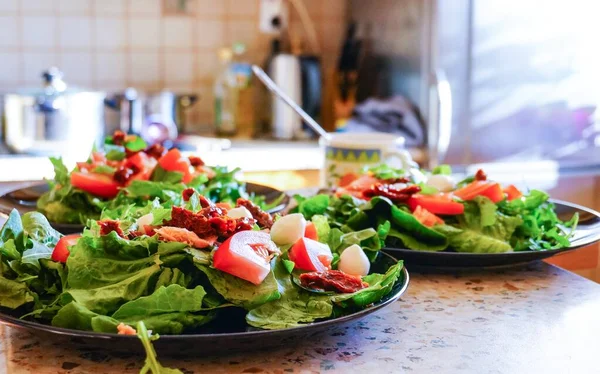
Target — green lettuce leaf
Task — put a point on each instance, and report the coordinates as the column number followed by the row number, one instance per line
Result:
column 295, row 306
column 317, row 204
column 322, row 227
column 14, row 294
column 169, row 310
column 466, row 240
column 379, row 286
column 78, row 317
column 151, row 365
column 238, row 291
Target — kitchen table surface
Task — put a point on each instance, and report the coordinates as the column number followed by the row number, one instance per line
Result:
column 532, row 319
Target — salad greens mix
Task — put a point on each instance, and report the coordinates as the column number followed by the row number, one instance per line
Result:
column 128, row 173
column 121, row 273
column 475, row 215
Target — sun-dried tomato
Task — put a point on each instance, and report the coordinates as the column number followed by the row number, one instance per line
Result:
column 332, row 280
column 123, row 174
column 118, row 137
column 391, row 192
column 223, row 225
column 264, row 219
column 244, row 223
column 196, row 161
column 196, row 222
column 212, row 211
column 480, row 175
column 108, row 225
column 156, row 151
column 187, row 193
column 396, row 180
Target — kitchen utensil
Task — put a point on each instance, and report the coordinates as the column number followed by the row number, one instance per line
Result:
column 226, row 334
column 155, row 116
column 350, row 153
column 310, row 69
column 56, row 120
column 587, row 233
column 25, row 199
column 264, row 78
column 285, row 70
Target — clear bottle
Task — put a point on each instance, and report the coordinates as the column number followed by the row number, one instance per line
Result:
column 225, row 96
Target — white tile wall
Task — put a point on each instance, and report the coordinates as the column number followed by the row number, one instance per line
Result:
column 207, row 64
column 210, row 8
column 144, row 67
column 77, row 67
column 146, row 7
column 9, row 31
column 37, row 6
column 109, row 33
column 75, row 32
column 110, row 67
column 177, row 32
column 110, row 7
column 9, row 6
column 78, row 7
column 144, row 33
column 112, row 44
column 209, row 33
column 39, row 31
column 10, row 67
column 179, row 67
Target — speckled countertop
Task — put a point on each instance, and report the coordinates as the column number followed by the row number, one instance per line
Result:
column 534, row 319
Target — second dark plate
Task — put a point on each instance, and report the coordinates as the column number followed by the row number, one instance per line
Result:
column 25, row 199
column 587, row 232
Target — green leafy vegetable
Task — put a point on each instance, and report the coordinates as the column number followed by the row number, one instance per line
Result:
column 442, row 169
column 295, row 305
column 151, row 365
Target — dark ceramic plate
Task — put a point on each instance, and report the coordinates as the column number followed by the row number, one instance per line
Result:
column 587, row 232
column 25, row 199
column 227, row 333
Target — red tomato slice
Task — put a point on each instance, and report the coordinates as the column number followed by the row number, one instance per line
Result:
column 346, row 179
column 512, row 192
column 311, row 255
column 436, row 204
column 357, row 187
column 311, row 231
column 173, row 161
column 491, row 190
column 61, row 250
column 98, row 157
column 96, row 184
column 426, row 217
column 246, row 255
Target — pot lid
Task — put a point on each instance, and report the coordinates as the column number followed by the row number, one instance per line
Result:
column 53, row 85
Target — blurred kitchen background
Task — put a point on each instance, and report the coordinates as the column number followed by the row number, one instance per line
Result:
column 463, row 81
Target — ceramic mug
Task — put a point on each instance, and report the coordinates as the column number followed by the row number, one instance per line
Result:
column 347, row 153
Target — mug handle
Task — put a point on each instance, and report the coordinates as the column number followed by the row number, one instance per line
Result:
column 404, row 156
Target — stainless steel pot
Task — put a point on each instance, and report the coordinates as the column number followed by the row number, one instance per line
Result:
column 55, row 120
column 156, row 116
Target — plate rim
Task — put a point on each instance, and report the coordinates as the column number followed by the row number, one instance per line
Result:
column 513, row 253
column 36, row 326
